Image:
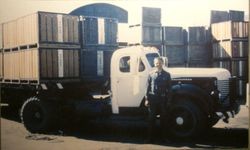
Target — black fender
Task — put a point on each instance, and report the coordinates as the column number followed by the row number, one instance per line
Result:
column 195, row 94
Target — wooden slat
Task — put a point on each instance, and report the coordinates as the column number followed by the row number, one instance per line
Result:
column 4, row 34
column 11, row 60
column 49, row 28
column 10, row 55
column 30, row 76
column 71, row 30
column 23, row 29
column 76, row 63
column 15, row 65
column 35, row 68
column 55, row 63
column 65, row 29
column 20, row 30
column 76, row 32
column 247, row 29
column 71, row 63
column 22, row 64
column 9, row 66
column 26, row 65
column 66, row 63
column 49, row 63
column 1, row 36
column 54, row 28
column 6, row 65
column 27, row 25
column 43, row 63
column 13, row 34
column 43, row 31
column 61, row 46
column 9, row 35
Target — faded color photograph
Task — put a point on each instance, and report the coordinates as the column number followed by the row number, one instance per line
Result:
column 108, row 75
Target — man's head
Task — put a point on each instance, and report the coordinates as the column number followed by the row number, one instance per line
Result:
column 158, row 62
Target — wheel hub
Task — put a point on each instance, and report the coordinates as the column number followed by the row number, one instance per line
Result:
column 37, row 115
column 179, row 121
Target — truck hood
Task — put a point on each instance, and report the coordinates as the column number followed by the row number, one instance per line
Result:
column 219, row 73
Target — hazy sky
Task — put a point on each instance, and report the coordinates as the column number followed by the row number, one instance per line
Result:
column 174, row 12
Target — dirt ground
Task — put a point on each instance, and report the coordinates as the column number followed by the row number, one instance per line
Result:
column 122, row 136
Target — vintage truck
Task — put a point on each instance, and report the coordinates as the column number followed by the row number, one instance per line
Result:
column 201, row 96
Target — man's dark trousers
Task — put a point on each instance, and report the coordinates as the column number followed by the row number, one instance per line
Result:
column 156, row 106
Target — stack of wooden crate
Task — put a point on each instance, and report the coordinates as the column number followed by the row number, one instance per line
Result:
column 230, row 50
column 39, row 47
column 98, row 38
column 174, row 46
column 199, row 47
column 147, row 32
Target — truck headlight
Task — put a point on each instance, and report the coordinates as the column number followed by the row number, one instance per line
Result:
column 216, row 94
column 212, row 93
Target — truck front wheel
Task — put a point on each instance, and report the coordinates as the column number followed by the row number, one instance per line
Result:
column 184, row 119
column 38, row 116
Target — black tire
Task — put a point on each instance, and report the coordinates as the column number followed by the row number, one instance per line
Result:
column 38, row 116
column 184, row 120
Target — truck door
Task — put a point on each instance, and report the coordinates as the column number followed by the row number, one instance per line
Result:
column 140, row 81
column 128, row 79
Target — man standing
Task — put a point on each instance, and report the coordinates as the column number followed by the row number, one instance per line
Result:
column 157, row 95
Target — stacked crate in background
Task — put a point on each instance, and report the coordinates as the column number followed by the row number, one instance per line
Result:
column 222, row 16
column 235, row 15
column 174, row 46
column 40, row 47
column 218, row 16
column 98, row 37
column 199, row 47
column 148, row 31
column 230, row 48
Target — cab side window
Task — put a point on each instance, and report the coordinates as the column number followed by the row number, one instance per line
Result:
column 124, row 64
column 141, row 66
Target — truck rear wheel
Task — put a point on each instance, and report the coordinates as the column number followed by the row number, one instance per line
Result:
column 184, row 119
column 38, row 116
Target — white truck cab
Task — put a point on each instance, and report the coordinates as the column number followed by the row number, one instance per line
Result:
column 129, row 73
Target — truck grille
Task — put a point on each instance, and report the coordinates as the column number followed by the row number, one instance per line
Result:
column 223, row 87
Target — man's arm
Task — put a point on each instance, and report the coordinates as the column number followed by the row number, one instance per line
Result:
column 147, row 91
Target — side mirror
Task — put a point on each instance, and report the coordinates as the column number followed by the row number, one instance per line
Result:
column 165, row 61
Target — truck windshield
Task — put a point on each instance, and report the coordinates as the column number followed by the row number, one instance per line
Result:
column 151, row 57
